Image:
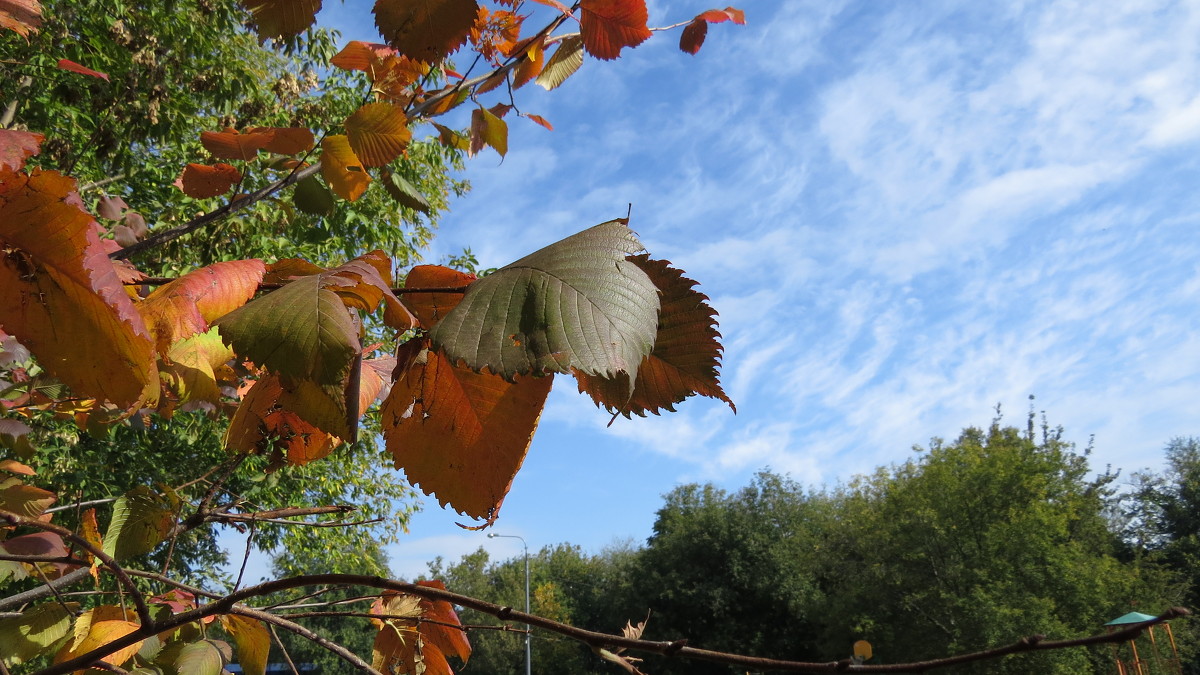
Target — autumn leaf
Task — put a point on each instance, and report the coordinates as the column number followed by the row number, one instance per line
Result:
column 64, row 64
column 431, row 308
column 686, row 356
column 695, row 32
column 460, row 435
column 359, row 55
column 35, row 630
column 97, row 627
column 26, row 500
column 429, row 30
column 539, row 120
column 577, row 304
column 281, row 18
column 566, row 60
column 202, row 181
column 442, row 626
column 342, row 169
column 60, row 286
column 608, row 26
column 451, row 138
column 286, row 140
column 232, row 144
column 192, row 365
column 186, row 306
column 488, row 129
column 532, row 62
column 417, row 633
column 22, row 16
column 17, row 146
column 253, row 642
column 378, row 133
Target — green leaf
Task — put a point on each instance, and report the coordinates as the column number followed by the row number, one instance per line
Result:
column 302, row 330
column 577, row 303
column 313, row 198
column 405, row 193
column 566, row 60
column 200, row 658
column 141, row 520
column 34, row 632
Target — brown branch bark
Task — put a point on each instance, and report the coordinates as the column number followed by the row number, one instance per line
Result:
column 346, row 655
column 595, row 639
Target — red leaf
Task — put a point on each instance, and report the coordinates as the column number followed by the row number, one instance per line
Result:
column 439, row 626
column 429, row 30
column 693, row 36
column 610, row 25
column 22, row 16
column 556, row 5
column 111, row 208
column 201, row 181
column 82, row 70
column 17, row 146
column 540, row 120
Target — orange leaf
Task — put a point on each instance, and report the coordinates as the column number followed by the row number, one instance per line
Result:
column 22, row 16
column 378, row 133
column 230, row 144
column 540, row 120
column 610, row 25
column 64, row 64
column 62, row 295
column 253, row 642
column 534, row 59
column 17, row 146
column 461, row 435
column 188, row 304
column 359, row 55
column 201, row 181
column 281, row 18
column 431, row 307
column 258, row 423
column 100, row 633
column 686, row 352
column 488, row 129
column 342, row 169
column 287, row 140
column 26, row 500
column 429, row 30
column 438, row 627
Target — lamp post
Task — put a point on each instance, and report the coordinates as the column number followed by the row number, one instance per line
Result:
column 528, row 628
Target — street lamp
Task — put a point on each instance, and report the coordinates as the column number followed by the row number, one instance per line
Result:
column 528, row 628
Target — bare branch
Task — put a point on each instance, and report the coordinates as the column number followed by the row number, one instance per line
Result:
column 307, row 634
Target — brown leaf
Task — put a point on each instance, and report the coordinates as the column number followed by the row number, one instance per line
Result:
column 202, row 181
column 22, row 16
column 439, row 628
column 431, row 307
column 17, row 146
column 63, row 298
column 342, row 169
column 359, row 55
column 461, row 435
column 281, row 18
column 610, row 25
column 378, row 133
column 429, row 30
column 695, row 32
column 686, row 352
column 187, row 305
column 286, row 140
column 232, row 144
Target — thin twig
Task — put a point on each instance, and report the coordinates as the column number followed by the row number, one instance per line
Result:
column 346, row 655
column 286, row 656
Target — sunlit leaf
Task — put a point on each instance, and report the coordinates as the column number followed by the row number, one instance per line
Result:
column 253, row 642
column 34, row 632
column 695, row 32
column 100, row 633
column 530, row 66
column 378, row 133
column 141, row 520
column 488, row 129
column 359, row 55
column 202, row 181
column 428, row 30
column 608, row 26
column 452, row 139
column 686, row 356
column 566, row 60
column 577, row 303
column 461, row 435
column 281, row 18
column 16, row 147
column 200, row 658
column 26, row 500
column 192, row 369
column 233, row 144
column 22, row 16
column 342, row 169
column 186, row 306
column 60, row 286
column 286, row 140
column 541, row 121
column 440, row 626
column 431, row 308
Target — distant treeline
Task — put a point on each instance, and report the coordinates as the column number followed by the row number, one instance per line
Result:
column 999, row 534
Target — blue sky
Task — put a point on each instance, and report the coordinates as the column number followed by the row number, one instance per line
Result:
column 905, row 213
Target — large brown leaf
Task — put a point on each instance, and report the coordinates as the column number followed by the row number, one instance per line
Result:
column 60, row 295
column 22, row 16
column 282, row 18
column 461, row 435
column 686, row 355
column 610, row 25
column 432, row 307
column 426, row 30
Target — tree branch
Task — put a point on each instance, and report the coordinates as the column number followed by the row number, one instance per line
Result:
column 347, row 655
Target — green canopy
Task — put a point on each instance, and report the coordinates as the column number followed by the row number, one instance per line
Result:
column 1132, row 617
